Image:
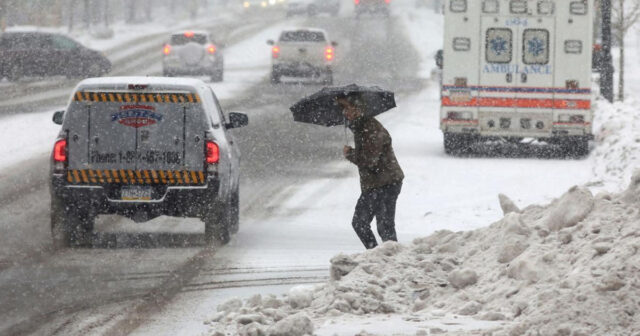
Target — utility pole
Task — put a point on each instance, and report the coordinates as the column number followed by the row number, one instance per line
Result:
column 606, row 73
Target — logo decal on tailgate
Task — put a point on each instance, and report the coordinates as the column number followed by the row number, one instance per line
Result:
column 136, row 116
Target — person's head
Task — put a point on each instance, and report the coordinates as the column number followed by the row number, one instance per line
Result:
column 351, row 108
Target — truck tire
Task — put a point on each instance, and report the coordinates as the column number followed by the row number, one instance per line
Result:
column 59, row 225
column 275, row 77
column 328, row 79
column 216, row 225
column 217, row 76
column 70, row 227
column 457, row 144
column 234, row 212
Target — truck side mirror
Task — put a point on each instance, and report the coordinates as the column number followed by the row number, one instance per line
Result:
column 270, row 42
column 237, row 120
column 58, row 117
column 439, row 59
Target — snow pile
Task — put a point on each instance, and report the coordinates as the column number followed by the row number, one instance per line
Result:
column 617, row 153
column 568, row 268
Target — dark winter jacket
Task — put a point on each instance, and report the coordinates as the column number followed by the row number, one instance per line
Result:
column 373, row 154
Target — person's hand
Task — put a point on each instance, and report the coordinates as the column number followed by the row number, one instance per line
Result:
column 346, row 150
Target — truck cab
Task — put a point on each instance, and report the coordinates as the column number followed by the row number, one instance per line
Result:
column 143, row 147
column 515, row 69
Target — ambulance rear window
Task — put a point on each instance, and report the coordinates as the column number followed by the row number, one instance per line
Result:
column 499, row 45
column 535, row 46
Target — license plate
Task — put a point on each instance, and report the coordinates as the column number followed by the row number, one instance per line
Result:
column 135, row 193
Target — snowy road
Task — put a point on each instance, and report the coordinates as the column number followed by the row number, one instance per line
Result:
column 296, row 198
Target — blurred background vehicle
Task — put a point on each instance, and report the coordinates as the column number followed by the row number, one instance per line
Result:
column 250, row 5
column 372, row 7
column 313, row 7
column 304, row 52
column 48, row 54
column 193, row 53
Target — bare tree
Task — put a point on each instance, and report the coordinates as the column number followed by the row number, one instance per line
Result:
column 625, row 14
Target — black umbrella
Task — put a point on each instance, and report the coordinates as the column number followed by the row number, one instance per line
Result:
column 322, row 108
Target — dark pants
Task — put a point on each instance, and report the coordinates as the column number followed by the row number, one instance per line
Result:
column 381, row 204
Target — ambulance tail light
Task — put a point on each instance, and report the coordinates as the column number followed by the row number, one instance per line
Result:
column 166, row 50
column 211, row 49
column 60, row 155
column 329, row 53
column 212, row 153
column 275, row 52
column 455, row 115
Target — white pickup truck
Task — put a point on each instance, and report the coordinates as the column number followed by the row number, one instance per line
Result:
column 303, row 52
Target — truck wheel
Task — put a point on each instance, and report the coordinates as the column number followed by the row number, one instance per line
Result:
column 59, row 225
column 218, row 76
column 275, row 77
column 328, row 77
column 234, row 213
column 216, row 225
column 457, row 144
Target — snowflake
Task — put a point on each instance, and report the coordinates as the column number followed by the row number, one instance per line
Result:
column 498, row 45
column 535, row 46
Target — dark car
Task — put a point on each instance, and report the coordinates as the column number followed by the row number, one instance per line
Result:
column 48, row 54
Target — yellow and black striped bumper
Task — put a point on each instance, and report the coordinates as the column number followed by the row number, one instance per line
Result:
column 140, row 177
column 128, row 97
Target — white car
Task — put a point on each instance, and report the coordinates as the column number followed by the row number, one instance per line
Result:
column 303, row 53
column 192, row 53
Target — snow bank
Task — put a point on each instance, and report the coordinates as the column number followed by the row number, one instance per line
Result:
column 571, row 267
column 617, row 153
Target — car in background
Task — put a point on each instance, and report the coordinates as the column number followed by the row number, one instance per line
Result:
column 313, row 7
column 143, row 147
column 303, row 53
column 372, row 7
column 192, row 53
column 32, row 53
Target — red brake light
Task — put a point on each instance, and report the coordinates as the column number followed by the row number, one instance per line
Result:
column 60, row 151
column 188, row 34
column 211, row 49
column 356, row 1
column 387, row 1
column 328, row 53
column 167, row 49
column 213, row 152
column 275, row 51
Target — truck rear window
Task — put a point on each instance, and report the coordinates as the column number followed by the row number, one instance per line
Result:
column 181, row 39
column 302, row 36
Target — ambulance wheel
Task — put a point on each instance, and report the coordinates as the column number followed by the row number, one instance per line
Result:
column 575, row 147
column 216, row 225
column 457, row 144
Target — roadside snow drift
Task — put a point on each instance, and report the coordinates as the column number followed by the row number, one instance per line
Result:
column 570, row 268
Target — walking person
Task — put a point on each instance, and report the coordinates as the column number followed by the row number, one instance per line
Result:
column 380, row 174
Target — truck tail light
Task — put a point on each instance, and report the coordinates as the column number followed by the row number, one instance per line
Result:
column 166, row 50
column 211, row 49
column 212, row 154
column 356, row 2
column 328, row 53
column 275, row 51
column 60, row 151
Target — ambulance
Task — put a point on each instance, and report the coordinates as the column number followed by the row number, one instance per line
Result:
column 517, row 69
